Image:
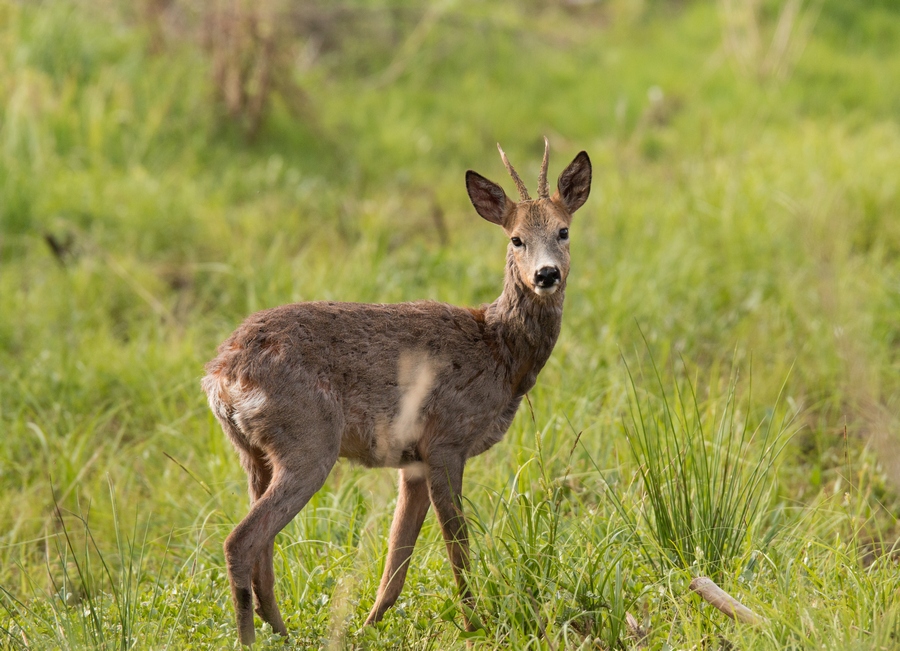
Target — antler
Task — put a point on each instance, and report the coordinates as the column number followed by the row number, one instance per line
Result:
column 543, row 188
column 523, row 191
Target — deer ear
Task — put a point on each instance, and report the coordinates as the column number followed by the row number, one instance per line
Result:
column 489, row 199
column 574, row 184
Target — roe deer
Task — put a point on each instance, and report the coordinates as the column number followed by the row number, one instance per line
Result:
column 417, row 386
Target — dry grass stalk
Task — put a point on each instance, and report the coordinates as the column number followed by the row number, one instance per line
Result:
column 153, row 14
column 743, row 41
column 636, row 631
column 406, row 54
column 724, row 602
column 252, row 49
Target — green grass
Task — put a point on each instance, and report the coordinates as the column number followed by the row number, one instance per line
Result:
column 740, row 222
column 706, row 470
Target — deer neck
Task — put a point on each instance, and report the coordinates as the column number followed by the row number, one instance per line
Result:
column 527, row 327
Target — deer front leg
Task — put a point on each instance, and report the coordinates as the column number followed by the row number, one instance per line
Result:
column 445, row 487
column 412, row 505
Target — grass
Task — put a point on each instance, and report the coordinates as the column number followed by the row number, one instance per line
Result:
column 706, row 470
column 736, row 214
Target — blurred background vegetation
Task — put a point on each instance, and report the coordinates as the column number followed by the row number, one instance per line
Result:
column 167, row 167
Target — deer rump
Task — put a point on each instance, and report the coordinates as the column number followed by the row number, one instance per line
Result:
column 383, row 378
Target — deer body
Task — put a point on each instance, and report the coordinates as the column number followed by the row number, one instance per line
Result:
column 419, row 386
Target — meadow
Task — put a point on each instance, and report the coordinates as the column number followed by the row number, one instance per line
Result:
column 723, row 400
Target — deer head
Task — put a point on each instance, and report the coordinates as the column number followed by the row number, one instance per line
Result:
column 538, row 229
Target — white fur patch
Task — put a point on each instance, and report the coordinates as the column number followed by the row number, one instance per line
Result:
column 546, row 291
column 414, row 471
column 214, row 387
column 545, row 261
column 416, row 374
column 236, row 398
column 247, row 402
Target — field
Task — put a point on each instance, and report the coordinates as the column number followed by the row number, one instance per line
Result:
column 724, row 399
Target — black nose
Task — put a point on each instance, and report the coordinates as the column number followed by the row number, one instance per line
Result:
column 546, row 276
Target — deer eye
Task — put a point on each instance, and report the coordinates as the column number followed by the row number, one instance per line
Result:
column 516, row 242
column 563, row 233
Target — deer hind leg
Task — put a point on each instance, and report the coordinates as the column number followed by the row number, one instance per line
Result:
column 259, row 476
column 248, row 549
column 412, row 505
column 263, row 581
column 445, row 488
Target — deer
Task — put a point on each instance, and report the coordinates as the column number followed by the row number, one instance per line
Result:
column 420, row 386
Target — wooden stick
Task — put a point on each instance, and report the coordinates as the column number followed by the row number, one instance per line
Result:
column 730, row 606
column 636, row 630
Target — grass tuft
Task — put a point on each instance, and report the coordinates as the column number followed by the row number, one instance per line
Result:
column 707, row 471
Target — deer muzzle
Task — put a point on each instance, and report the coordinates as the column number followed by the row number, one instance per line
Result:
column 546, row 280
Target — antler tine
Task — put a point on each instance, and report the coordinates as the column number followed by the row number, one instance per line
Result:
column 543, row 188
column 523, row 191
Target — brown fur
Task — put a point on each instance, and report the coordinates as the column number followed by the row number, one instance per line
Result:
column 420, row 386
